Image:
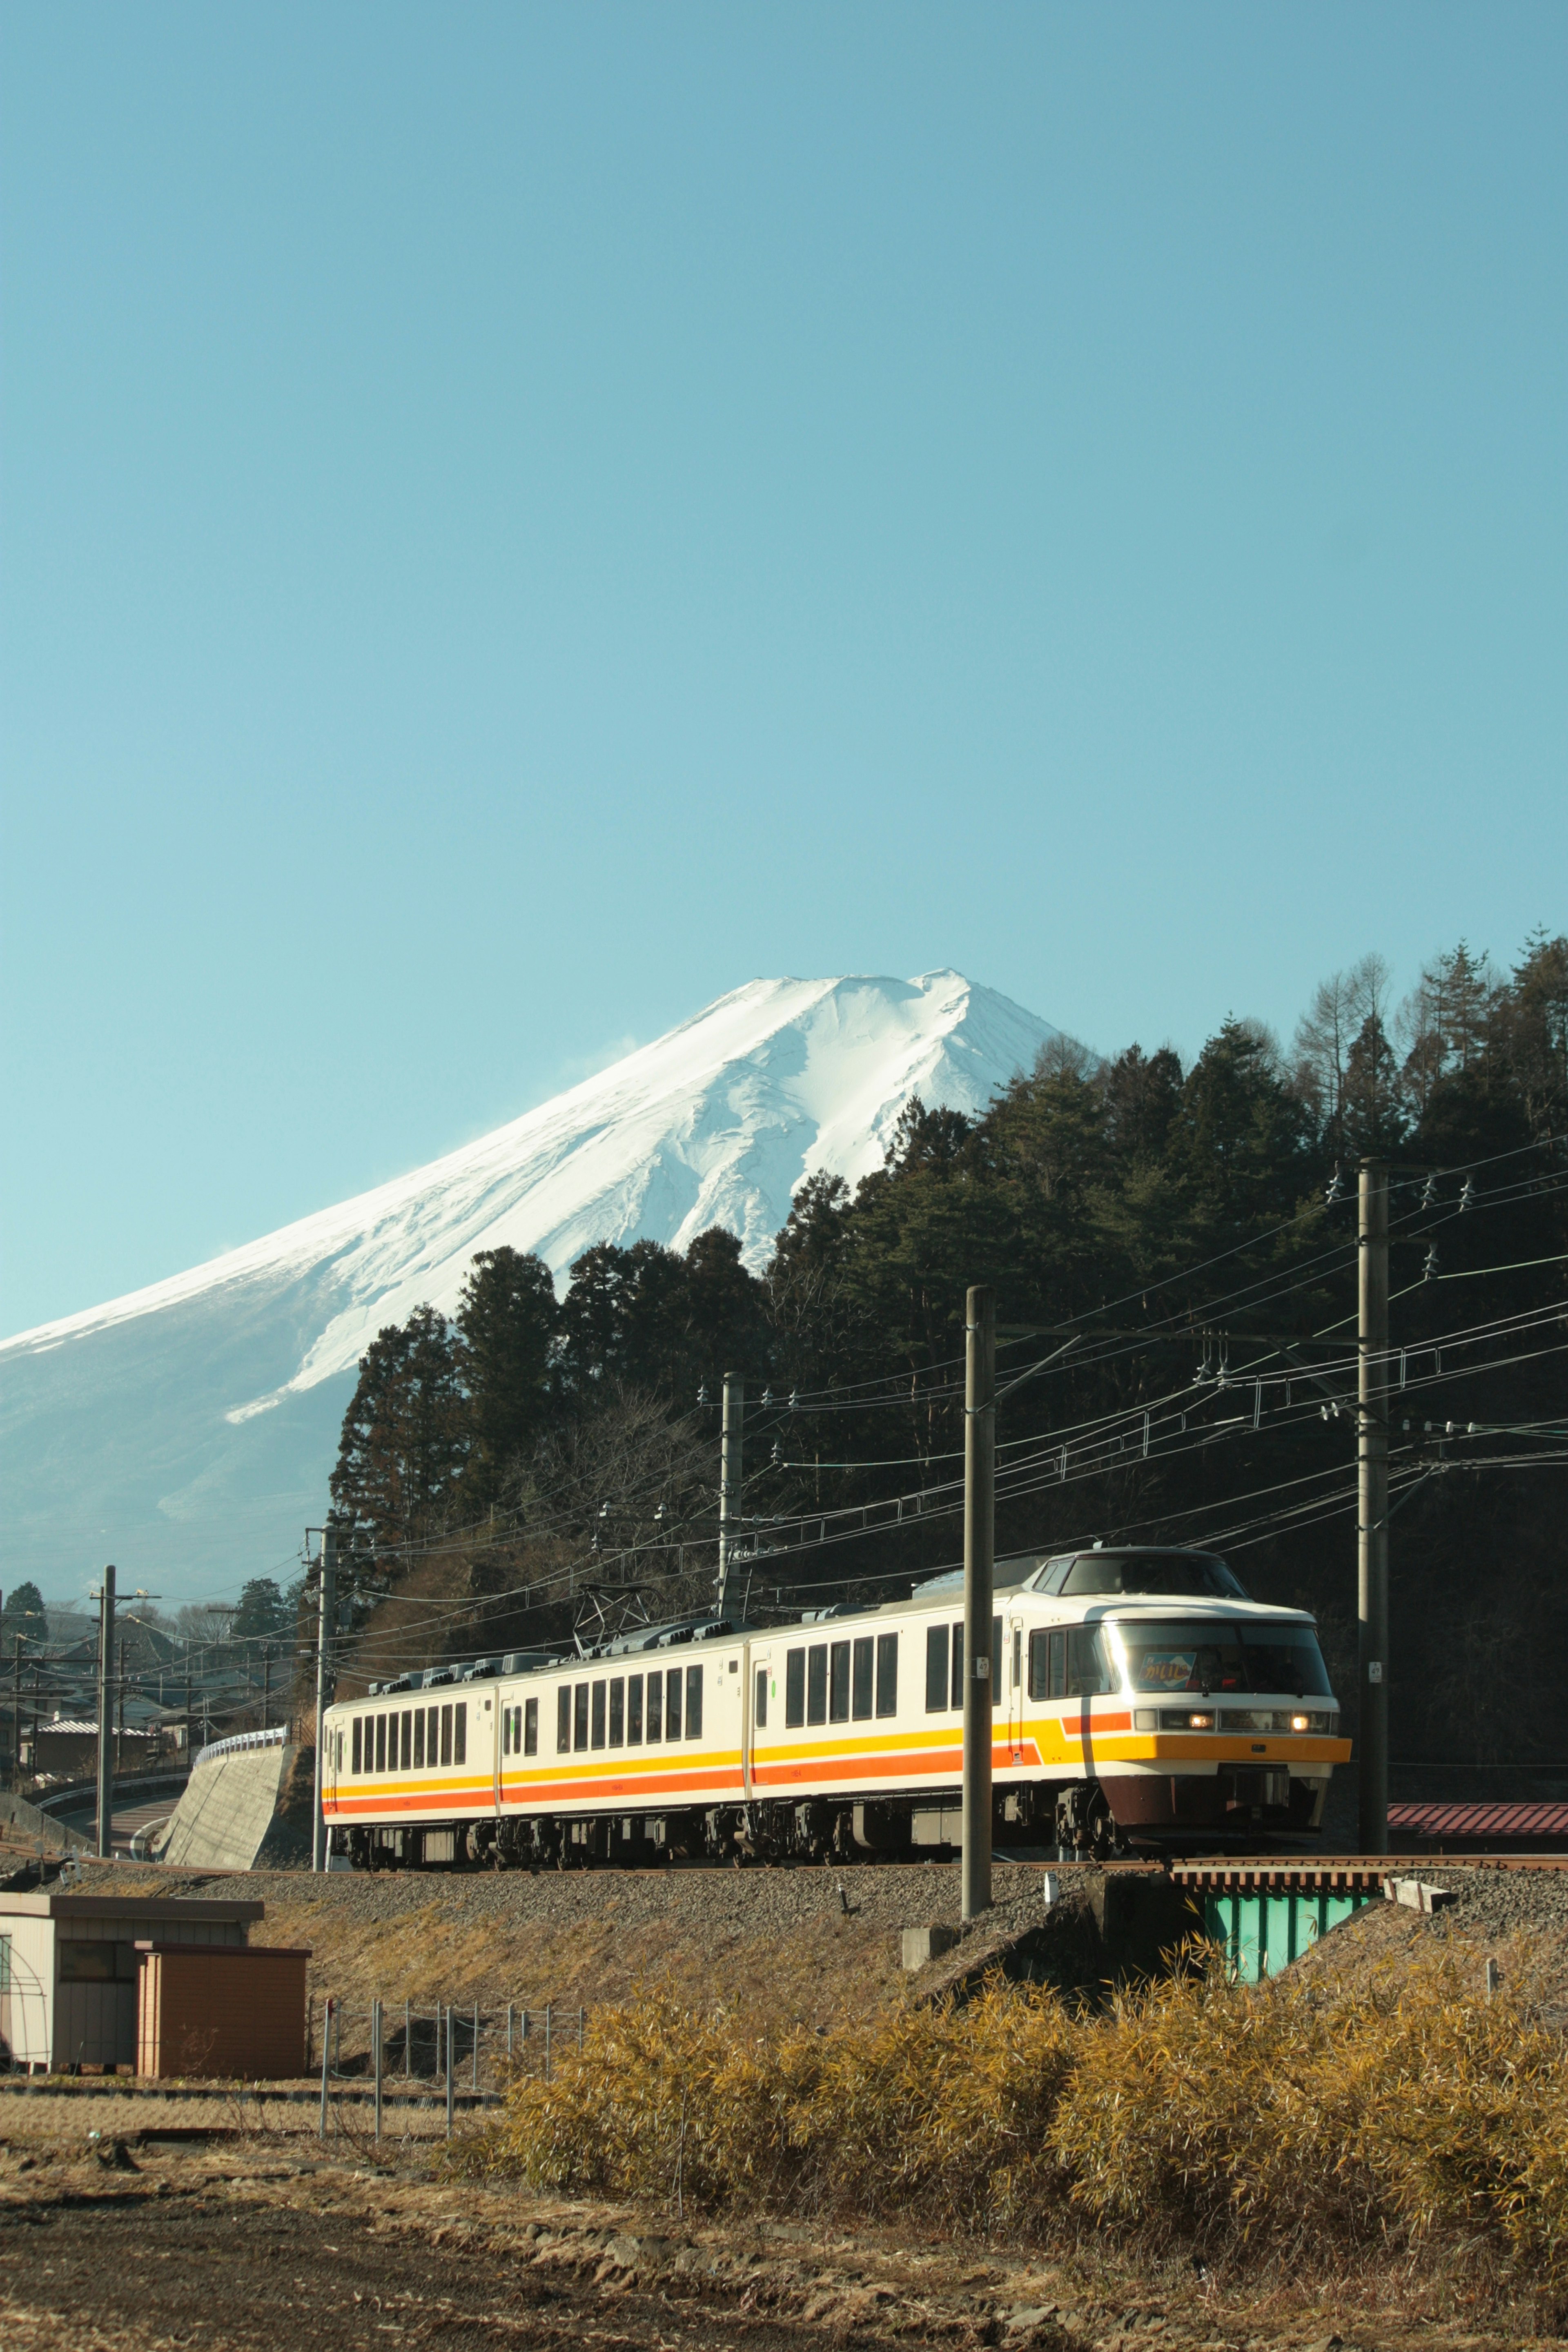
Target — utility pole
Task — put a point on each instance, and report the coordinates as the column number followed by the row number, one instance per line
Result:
column 325, row 1627
column 265, row 1684
column 17, row 1715
column 1371, row 1516
column 979, row 1540
column 105, row 1714
column 119, row 1735
column 729, row 1474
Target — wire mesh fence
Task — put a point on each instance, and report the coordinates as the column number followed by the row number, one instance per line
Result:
column 460, row 2049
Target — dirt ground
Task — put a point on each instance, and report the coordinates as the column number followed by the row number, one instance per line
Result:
column 267, row 2238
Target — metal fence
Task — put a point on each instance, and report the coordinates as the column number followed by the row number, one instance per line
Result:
column 238, row 1742
column 457, row 2051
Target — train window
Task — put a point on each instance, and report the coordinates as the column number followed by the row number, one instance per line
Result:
column 1150, row 1572
column 461, row 1732
column 936, row 1669
column 634, row 1710
column 357, row 1749
column 419, row 1739
column 672, row 1704
column 407, row 1759
column 598, row 1737
column 817, row 1683
column 887, row 1674
column 563, row 1719
column 530, row 1728
column 1048, row 1664
column 381, row 1743
column 957, row 1699
column 838, row 1683
column 580, row 1715
column 1090, row 1669
column 655, row 1708
column 505, row 1731
column 762, row 1710
column 998, row 1658
column 1018, row 1657
column 619, row 1712
column 863, row 1678
column 446, row 1734
column 795, row 1689
column 694, row 1702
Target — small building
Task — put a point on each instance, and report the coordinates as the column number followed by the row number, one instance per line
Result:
column 69, row 1966
column 225, row 2010
column 67, row 1748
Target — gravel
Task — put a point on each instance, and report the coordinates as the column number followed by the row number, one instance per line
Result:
column 752, row 1902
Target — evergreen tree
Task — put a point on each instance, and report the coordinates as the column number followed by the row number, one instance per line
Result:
column 402, row 1445
column 1141, row 1097
column 263, row 1613
column 1239, row 1142
column 24, row 1611
column 1372, row 1122
column 623, row 1317
column 508, row 1321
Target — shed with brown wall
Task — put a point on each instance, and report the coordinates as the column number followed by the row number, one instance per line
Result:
column 236, row 2011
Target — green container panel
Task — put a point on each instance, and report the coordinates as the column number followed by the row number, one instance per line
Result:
column 1263, row 1931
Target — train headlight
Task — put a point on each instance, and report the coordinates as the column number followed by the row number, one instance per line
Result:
column 1200, row 1723
column 1301, row 1723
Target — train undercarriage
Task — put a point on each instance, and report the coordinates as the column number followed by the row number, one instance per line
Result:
column 1117, row 1817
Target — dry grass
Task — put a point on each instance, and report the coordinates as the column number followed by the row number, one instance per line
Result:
column 1307, row 2122
column 825, row 1968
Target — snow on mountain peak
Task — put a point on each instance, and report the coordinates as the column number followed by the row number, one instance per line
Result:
column 198, row 1416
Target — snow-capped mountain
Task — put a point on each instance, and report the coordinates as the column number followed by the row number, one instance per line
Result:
column 186, row 1430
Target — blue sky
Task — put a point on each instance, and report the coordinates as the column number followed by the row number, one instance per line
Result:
column 517, row 520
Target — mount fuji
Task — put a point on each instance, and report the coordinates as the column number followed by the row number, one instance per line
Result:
column 186, row 1430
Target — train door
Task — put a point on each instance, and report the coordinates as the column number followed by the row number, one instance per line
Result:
column 758, row 1698
column 1015, row 1672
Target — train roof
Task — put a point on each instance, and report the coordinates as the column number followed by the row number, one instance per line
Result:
column 1016, row 1574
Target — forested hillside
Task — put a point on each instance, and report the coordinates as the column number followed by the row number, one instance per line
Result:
column 1174, row 1254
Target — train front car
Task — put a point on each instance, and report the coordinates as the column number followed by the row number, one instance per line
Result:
column 1169, row 1708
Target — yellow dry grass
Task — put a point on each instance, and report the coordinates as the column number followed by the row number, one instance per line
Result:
column 1405, row 2109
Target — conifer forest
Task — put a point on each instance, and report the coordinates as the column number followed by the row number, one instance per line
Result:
column 1173, row 1253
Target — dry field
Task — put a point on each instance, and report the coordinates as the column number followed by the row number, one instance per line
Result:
column 922, row 2198
column 266, row 2240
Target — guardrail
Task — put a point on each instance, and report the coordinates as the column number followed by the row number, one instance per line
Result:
column 71, row 1795
column 238, row 1742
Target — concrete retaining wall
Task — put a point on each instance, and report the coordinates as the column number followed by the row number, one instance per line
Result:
column 229, row 1813
column 24, row 1824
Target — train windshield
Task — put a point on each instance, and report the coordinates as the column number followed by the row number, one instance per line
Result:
column 1191, row 1654
column 1154, row 1573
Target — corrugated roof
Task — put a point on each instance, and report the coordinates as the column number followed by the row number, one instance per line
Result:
column 1481, row 1821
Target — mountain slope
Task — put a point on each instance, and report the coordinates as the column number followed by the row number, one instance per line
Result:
column 186, row 1430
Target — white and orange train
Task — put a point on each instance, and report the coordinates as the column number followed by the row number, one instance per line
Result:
column 1139, row 1698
